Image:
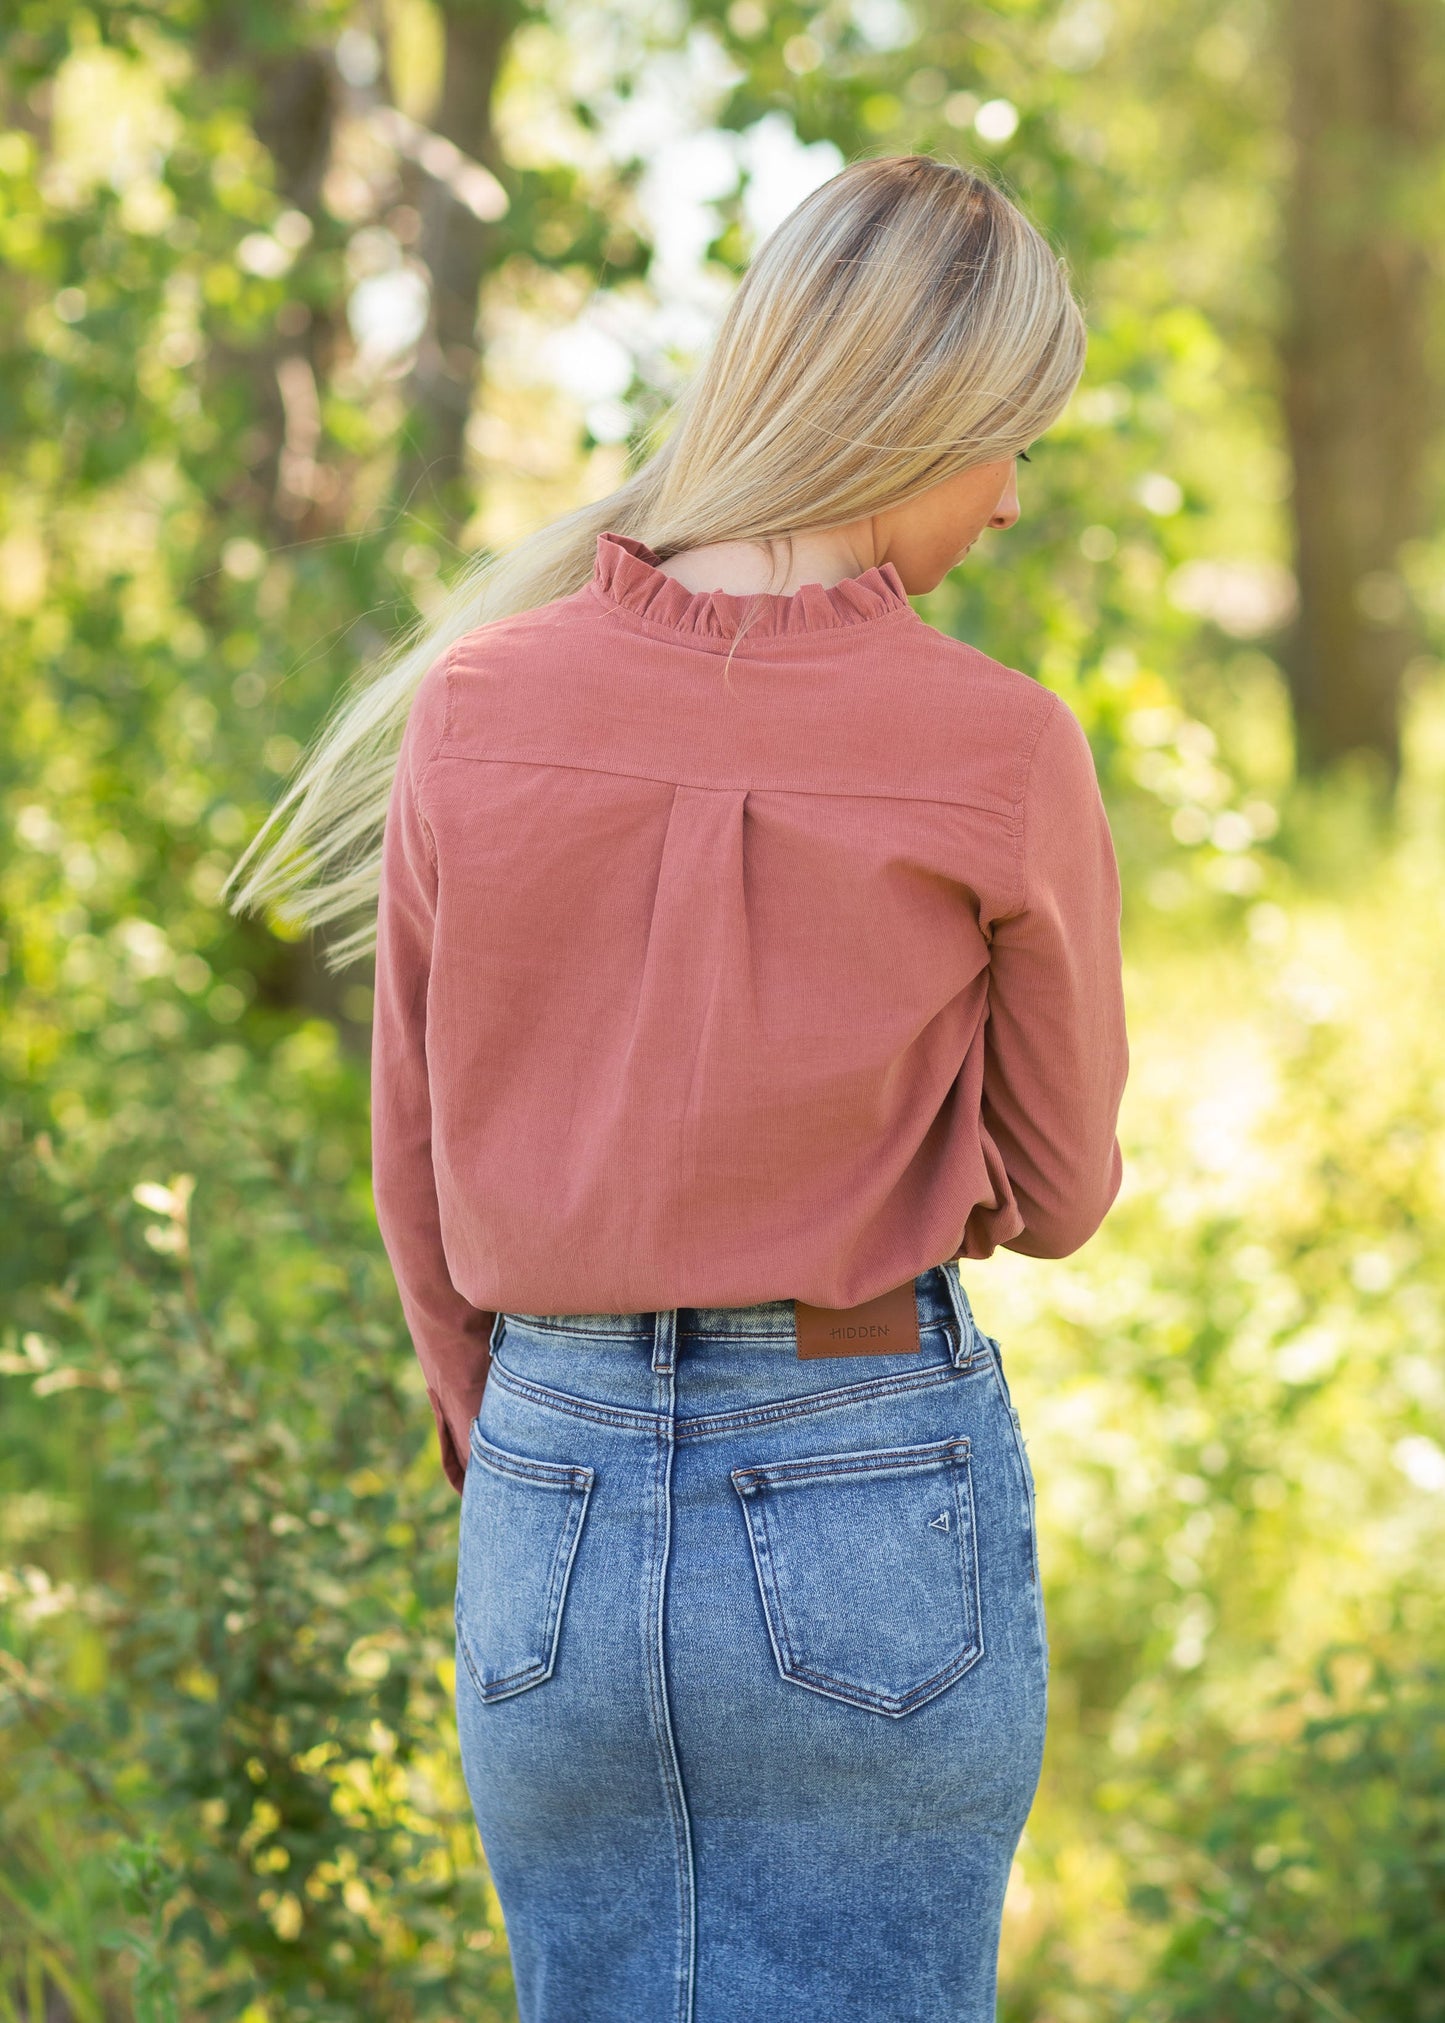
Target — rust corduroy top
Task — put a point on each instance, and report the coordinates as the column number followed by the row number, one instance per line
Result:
column 702, row 986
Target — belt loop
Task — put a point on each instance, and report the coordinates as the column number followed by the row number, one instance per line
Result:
column 664, row 1340
column 969, row 1340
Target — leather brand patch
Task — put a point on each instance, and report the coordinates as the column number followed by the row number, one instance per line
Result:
column 885, row 1326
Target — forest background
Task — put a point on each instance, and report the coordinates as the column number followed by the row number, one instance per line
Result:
column 303, row 303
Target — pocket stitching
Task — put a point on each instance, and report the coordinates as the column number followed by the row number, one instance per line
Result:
column 813, row 1467
column 544, row 1474
column 955, row 1455
column 854, row 1694
column 576, row 1483
column 540, row 1668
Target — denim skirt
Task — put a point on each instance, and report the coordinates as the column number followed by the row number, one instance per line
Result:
column 751, row 1664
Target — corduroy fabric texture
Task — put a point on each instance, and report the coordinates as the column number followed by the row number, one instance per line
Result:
column 704, row 981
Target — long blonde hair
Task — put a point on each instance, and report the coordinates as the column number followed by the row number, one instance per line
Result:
column 903, row 323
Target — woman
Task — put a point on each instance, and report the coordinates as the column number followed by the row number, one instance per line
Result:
column 747, row 954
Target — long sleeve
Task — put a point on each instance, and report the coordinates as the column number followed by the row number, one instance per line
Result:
column 1056, row 1054
column 451, row 1337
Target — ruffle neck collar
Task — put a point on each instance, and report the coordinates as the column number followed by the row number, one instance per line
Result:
column 627, row 575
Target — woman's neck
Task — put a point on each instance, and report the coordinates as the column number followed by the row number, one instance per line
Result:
column 818, row 555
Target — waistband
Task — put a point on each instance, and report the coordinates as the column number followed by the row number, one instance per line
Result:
column 939, row 1292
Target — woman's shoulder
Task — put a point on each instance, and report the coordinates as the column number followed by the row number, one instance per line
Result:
column 1009, row 687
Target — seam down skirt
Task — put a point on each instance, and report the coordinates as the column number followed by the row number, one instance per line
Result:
column 751, row 1664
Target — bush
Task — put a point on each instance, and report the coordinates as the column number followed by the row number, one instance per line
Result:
column 236, row 1736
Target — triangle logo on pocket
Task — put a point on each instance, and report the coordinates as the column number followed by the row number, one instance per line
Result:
column 939, row 1523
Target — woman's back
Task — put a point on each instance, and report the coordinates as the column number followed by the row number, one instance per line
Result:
column 708, row 953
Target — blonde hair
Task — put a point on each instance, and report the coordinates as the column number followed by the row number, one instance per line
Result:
column 903, row 323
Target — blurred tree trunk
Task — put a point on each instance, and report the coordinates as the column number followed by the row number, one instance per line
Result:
column 1359, row 394
column 296, row 497
column 295, row 119
column 455, row 245
column 294, row 97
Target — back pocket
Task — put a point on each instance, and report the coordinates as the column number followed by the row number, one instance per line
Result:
column 868, row 1569
column 518, row 1531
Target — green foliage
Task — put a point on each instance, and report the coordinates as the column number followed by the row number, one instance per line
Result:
column 247, row 1703
column 1234, row 1399
column 1348, row 1810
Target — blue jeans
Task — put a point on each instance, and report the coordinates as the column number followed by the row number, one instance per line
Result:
column 751, row 1665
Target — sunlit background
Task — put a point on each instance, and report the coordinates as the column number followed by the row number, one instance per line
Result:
column 304, row 303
